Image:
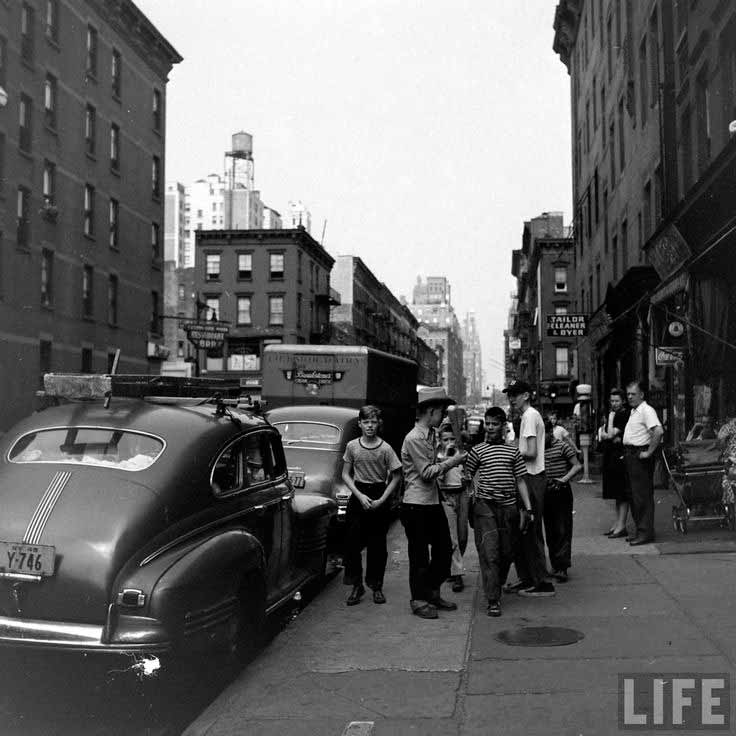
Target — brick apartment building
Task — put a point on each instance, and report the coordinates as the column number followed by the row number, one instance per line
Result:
column 369, row 314
column 544, row 273
column 82, row 142
column 268, row 286
column 653, row 86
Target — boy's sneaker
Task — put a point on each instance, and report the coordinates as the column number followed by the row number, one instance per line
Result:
column 517, row 586
column 494, row 608
column 540, row 590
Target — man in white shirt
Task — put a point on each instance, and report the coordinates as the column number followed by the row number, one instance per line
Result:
column 642, row 436
column 531, row 563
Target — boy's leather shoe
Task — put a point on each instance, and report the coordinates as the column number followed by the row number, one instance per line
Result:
column 355, row 595
column 443, row 605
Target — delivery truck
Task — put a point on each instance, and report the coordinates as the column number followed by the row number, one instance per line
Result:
column 343, row 375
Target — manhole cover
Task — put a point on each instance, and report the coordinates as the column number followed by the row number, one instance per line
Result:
column 540, row 636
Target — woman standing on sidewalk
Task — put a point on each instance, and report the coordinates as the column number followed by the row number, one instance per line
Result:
column 615, row 481
column 369, row 464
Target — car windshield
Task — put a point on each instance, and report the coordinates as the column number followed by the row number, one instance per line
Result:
column 291, row 432
column 95, row 446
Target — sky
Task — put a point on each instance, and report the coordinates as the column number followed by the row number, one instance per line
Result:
column 420, row 135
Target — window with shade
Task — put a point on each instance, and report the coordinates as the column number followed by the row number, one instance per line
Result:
column 116, row 73
column 212, row 265
column 113, row 222
column 47, row 278
column 87, row 291
column 25, row 123
column 156, row 177
column 276, row 310
column 562, row 362
column 52, row 20
column 112, row 300
column 244, row 315
column 49, row 100
column 27, row 40
column 114, row 147
column 91, row 60
column 560, row 279
column 90, row 125
column 245, row 265
column 276, row 265
column 89, row 210
column 212, row 311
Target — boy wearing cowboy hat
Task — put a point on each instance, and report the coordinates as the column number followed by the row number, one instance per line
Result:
column 422, row 515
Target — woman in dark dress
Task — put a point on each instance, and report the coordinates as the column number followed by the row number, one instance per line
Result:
column 615, row 482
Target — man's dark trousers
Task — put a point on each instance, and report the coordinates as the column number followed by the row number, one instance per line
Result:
column 430, row 548
column 558, row 524
column 531, row 561
column 497, row 539
column 641, row 480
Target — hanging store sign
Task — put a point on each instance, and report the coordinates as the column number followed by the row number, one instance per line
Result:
column 567, row 325
column 515, row 343
column 205, row 335
column 668, row 356
column 668, row 252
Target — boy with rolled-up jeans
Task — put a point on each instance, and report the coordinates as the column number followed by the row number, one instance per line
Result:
column 499, row 521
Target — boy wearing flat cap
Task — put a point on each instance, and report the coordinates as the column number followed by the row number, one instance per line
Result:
column 422, row 515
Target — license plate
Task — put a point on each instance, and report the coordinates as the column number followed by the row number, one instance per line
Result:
column 297, row 479
column 28, row 559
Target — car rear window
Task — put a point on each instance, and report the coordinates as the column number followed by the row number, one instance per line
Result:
column 95, row 446
column 308, row 432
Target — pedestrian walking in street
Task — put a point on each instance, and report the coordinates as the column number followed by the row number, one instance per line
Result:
column 502, row 509
column 642, row 435
column 422, row 515
column 454, row 496
column 372, row 472
column 561, row 465
column 531, row 565
column 613, row 471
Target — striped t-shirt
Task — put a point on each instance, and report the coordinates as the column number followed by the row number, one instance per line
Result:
column 559, row 457
column 498, row 467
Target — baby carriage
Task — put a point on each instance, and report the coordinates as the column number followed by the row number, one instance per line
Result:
column 703, row 484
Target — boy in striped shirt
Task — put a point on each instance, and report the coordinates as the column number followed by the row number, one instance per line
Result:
column 498, row 519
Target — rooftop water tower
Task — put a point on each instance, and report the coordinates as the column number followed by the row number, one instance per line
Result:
column 239, row 171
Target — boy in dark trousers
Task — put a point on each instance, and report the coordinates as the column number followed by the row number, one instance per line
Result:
column 498, row 518
column 372, row 472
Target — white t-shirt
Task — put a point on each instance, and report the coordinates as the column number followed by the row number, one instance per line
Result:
column 642, row 419
column 532, row 425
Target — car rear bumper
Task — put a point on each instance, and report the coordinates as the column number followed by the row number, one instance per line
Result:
column 59, row 635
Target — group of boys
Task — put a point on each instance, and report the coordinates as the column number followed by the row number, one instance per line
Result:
column 508, row 502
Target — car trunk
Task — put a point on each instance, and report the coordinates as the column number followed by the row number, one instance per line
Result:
column 321, row 469
column 94, row 518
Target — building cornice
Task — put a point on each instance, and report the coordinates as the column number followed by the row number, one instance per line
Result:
column 567, row 19
column 132, row 25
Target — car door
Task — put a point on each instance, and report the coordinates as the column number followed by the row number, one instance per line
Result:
column 245, row 477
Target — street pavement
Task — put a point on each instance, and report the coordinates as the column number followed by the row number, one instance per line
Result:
column 378, row 670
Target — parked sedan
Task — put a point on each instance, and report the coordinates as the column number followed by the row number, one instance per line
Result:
column 314, row 439
column 150, row 526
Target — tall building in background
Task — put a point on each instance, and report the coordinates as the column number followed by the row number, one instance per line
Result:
column 440, row 329
column 472, row 360
column 82, row 163
column 653, row 85
column 175, row 228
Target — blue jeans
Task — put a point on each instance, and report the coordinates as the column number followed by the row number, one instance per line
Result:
column 497, row 539
column 455, row 504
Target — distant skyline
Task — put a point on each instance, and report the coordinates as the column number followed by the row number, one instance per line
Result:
column 420, row 135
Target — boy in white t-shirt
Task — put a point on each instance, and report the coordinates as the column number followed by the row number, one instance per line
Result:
column 531, row 563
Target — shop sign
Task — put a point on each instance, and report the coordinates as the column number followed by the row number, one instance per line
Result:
column 515, row 343
column 205, row 335
column 668, row 252
column 668, row 355
column 567, row 325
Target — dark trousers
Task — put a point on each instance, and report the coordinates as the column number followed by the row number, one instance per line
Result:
column 641, row 480
column 366, row 530
column 558, row 524
column 497, row 539
column 531, row 560
column 430, row 548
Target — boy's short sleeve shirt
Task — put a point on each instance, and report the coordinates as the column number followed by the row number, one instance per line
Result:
column 532, row 426
column 371, row 464
column 499, row 467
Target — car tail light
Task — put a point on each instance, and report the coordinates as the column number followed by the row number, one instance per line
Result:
column 131, row 598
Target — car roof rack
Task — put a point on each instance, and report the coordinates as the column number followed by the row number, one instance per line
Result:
column 94, row 386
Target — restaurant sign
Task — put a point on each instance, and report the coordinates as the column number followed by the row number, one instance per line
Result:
column 668, row 251
column 567, row 325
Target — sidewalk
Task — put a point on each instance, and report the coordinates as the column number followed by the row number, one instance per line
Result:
column 637, row 609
